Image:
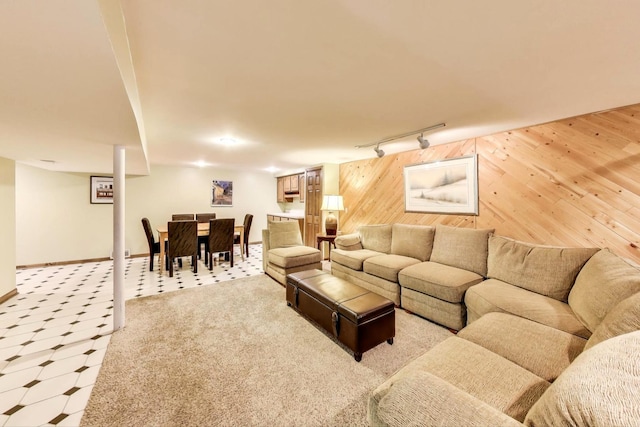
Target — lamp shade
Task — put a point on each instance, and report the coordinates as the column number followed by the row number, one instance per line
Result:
column 332, row 202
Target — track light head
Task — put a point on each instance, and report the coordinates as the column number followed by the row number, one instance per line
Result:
column 424, row 143
column 378, row 151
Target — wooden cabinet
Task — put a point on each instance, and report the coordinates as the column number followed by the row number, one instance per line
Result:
column 289, row 187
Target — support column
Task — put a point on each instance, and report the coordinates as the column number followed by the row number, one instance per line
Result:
column 118, row 236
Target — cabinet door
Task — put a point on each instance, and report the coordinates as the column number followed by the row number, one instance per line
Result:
column 301, row 187
column 287, row 184
column 281, row 190
column 294, row 183
column 313, row 202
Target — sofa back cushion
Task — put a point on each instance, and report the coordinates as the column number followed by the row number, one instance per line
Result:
column 622, row 319
column 600, row 387
column 376, row 237
column 546, row 270
column 284, row 234
column 415, row 241
column 603, row 282
column 460, row 247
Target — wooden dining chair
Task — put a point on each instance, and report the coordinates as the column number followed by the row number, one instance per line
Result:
column 182, row 241
column 204, row 240
column 244, row 245
column 181, row 217
column 221, row 238
column 154, row 247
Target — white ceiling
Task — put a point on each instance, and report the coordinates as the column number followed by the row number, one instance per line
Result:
column 297, row 82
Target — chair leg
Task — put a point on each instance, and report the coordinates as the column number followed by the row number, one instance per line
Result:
column 194, row 261
column 210, row 261
column 151, row 261
column 231, row 256
column 171, row 268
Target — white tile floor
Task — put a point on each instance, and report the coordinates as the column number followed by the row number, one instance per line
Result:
column 55, row 332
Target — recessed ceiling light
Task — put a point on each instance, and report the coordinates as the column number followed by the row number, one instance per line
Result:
column 201, row 163
column 227, row 141
column 272, row 169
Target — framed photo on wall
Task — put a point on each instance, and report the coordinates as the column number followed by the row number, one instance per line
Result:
column 446, row 187
column 101, row 189
column 222, row 193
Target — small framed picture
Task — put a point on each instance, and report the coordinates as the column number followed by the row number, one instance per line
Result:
column 221, row 193
column 101, row 189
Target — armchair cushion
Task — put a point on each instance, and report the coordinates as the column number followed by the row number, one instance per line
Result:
column 464, row 248
column 284, row 234
column 294, row 256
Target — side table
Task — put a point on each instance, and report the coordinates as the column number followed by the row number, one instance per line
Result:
column 326, row 238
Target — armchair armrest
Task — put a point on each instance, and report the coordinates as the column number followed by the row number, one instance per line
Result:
column 348, row 242
column 265, row 248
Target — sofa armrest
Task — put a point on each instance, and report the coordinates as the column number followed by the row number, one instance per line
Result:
column 420, row 398
column 348, row 242
column 265, row 248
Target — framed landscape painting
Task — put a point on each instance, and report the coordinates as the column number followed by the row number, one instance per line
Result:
column 446, row 187
column 222, row 193
column 101, row 189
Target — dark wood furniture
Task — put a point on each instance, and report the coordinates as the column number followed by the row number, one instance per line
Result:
column 326, row 238
column 358, row 318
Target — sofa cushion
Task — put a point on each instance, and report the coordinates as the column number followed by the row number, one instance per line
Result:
column 604, row 281
column 424, row 399
column 485, row 375
column 600, row 388
column 283, row 234
column 294, row 256
column 387, row 266
column 376, row 237
column 349, row 242
column 464, row 248
column 622, row 319
column 540, row 349
column 546, row 270
column 415, row 241
column 438, row 280
column 352, row 259
column 495, row 296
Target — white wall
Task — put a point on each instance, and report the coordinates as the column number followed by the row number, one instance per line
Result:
column 56, row 222
column 7, row 226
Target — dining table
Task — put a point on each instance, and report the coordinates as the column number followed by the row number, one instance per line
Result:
column 203, row 230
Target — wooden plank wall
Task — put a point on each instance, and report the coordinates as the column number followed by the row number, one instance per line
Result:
column 574, row 182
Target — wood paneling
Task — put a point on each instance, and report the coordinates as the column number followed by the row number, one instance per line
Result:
column 574, row 182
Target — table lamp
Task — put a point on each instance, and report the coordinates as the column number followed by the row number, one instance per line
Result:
column 331, row 203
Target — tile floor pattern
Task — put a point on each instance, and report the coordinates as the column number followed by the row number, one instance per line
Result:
column 55, row 332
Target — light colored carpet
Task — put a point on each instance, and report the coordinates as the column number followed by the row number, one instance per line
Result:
column 235, row 354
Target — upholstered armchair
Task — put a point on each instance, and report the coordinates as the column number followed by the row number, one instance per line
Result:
column 283, row 251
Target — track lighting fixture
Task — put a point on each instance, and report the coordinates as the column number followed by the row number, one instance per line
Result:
column 424, row 143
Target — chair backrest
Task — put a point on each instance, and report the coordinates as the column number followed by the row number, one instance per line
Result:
column 149, row 232
column 248, row 219
column 205, row 217
column 221, row 234
column 181, row 217
column 183, row 238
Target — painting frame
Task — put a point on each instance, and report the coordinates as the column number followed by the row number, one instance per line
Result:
column 101, row 190
column 221, row 194
column 448, row 186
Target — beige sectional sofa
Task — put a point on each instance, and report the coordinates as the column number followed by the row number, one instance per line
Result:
column 551, row 338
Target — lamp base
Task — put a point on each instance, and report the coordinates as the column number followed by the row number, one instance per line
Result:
column 331, row 225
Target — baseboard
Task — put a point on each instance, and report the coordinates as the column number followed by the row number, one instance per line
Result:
column 6, row 297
